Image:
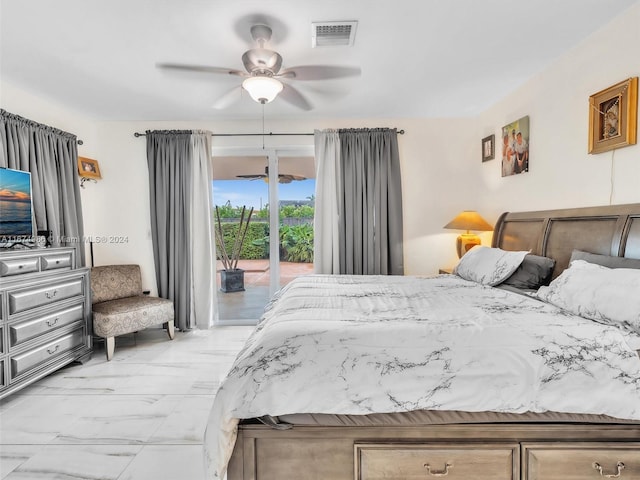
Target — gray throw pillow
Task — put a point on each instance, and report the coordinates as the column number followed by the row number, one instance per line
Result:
column 605, row 260
column 534, row 272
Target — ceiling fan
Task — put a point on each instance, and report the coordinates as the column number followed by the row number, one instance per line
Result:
column 263, row 75
column 282, row 177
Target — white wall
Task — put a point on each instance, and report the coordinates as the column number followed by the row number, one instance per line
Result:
column 433, row 170
column 562, row 173
column 441, row 165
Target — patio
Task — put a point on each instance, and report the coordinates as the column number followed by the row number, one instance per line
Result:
column 245, row 308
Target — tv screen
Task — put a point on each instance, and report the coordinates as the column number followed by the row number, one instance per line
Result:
column 16, row 218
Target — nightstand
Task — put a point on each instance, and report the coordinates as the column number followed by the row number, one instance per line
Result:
column 445, row 270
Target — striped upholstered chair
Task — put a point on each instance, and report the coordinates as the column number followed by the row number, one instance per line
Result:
column 120, row 307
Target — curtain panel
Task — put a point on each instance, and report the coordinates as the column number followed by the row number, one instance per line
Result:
column 51, row 155
column 327, row 205
column 180, row 195
column 203, row 280
column 368, row 204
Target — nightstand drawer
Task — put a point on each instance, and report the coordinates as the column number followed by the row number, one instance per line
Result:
column 28, row 298
column 26, row 361
column 421, row 461
column 582, row 461
column 25, row 330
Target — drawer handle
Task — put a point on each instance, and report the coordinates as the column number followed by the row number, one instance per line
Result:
column 52, row 351
column 50, row 295
column 438, row 473
column 620, row 466
column 52, row 323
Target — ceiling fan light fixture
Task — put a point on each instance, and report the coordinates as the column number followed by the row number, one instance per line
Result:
column 262, row 89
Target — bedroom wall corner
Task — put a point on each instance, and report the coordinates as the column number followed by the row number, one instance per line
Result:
column 562, row 174
column 50, row 112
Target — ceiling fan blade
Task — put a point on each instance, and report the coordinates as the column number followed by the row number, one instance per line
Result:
column 294, row 97
column 228, row 98
column 319, row 72
column 251, row 177
column 202, row 69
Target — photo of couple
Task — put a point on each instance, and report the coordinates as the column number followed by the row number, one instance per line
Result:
column 515, row 147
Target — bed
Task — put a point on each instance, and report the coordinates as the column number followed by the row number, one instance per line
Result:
column 405, row 377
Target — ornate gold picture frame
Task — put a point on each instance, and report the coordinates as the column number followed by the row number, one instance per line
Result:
column 613, row 117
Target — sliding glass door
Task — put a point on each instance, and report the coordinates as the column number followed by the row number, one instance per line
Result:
column 276, row 189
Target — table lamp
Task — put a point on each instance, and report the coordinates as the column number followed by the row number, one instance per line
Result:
column 468, row 220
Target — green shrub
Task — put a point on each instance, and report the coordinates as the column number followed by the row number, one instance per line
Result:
column 249, row 251
column 296, row 242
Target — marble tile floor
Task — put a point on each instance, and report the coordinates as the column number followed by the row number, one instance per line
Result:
column 140, row 416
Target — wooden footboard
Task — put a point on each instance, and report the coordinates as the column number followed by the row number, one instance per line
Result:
column 491, row 451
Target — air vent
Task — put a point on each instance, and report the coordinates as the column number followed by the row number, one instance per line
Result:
column 329, row 34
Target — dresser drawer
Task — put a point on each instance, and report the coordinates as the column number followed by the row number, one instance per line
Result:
column 37, row 296
column 55, row 261
column 423, row 461
column 582, row 461
column 18, row 266
column 26, row 361
column 20, row 332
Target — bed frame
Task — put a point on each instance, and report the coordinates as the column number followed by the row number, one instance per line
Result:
column 524, row 451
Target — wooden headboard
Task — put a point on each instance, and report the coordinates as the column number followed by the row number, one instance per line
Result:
column 611, row 230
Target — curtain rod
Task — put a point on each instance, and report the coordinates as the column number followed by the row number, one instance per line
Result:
column 33, row 123
column 270, row 134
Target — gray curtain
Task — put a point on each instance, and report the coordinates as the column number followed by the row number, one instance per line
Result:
column 169, row 157
column 370, row 228
column 51, row 156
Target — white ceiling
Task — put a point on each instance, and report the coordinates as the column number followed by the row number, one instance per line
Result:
column 419, row 58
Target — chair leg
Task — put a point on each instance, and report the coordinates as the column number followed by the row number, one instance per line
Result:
column 110, row 346
column 170, row 329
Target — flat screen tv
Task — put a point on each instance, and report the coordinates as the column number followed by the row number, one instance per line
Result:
column 16, row 206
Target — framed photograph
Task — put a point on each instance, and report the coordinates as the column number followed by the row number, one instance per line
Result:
column 488, row 148
column 515, row 147
column 613, row 117
column 88, row 168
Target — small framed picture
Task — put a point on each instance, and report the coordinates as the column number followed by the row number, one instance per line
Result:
column 488, row 148
column 88, row 168
column 613, row 117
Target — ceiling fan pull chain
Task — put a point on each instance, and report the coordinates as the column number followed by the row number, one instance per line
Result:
column 263, row 126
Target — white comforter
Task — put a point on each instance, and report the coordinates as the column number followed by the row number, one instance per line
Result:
column 360, row 345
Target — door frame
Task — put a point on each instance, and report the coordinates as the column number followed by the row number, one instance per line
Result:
column 273, row 154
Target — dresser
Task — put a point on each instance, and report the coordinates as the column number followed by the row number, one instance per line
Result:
column 45, row 309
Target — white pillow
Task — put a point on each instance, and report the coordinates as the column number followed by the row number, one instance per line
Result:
column 607, row 295
column 488, row 266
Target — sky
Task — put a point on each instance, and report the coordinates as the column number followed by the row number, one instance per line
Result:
column 15, row 185
column 255, row 193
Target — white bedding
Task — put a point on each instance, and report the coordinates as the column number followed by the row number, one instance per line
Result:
column 367, row 344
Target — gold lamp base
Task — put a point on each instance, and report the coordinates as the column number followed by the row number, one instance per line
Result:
column 465, row 242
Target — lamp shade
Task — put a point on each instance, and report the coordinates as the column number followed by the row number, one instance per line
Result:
column 469, row 220
column 262, row 89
